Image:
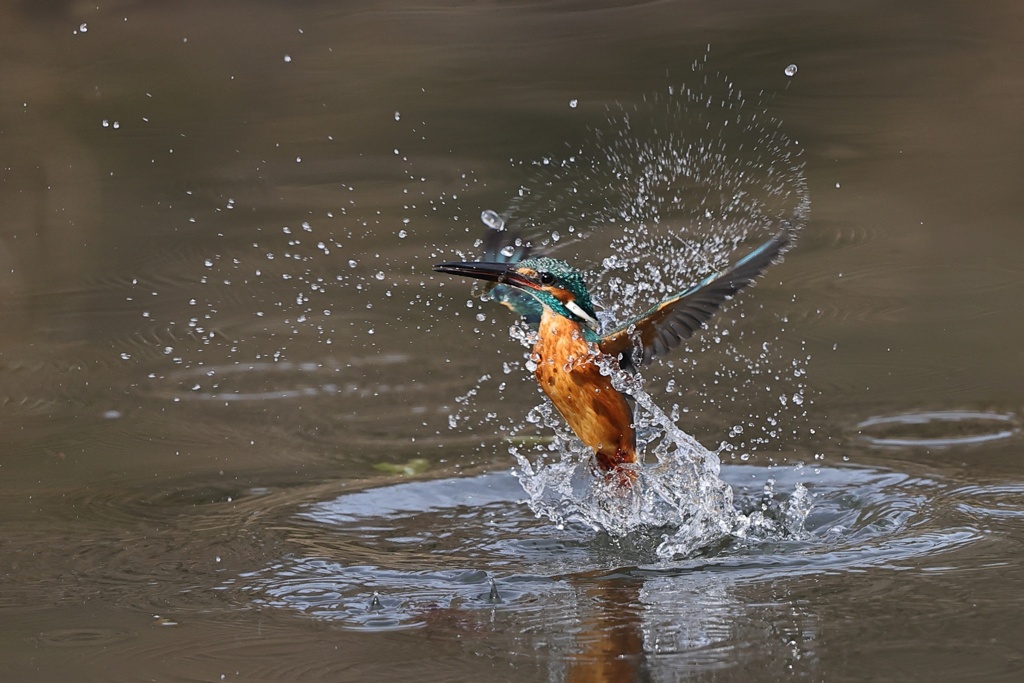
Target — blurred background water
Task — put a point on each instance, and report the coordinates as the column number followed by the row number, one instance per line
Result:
column 236, row 405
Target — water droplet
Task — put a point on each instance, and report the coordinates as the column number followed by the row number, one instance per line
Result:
column 791, row 70
column 573, row 103
column 492, row 220
column 375, row 605
column 493, row 597
column 287, row 59
column 398, row 116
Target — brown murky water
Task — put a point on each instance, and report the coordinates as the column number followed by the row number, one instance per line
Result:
column 221, row 343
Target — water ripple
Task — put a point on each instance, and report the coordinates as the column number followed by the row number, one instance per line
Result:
column 938, row 429
column 420, row 547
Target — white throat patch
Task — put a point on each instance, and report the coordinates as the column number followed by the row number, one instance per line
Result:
column 578, row 311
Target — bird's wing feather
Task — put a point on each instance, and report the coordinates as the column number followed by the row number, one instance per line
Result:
column 675, row 319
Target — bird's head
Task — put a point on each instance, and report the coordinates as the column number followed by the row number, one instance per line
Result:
column 553, row 283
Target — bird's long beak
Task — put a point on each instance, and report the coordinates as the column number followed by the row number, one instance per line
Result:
column 503, row 273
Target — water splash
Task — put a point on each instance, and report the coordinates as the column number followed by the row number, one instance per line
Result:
column 667, row 190
column 678, row 492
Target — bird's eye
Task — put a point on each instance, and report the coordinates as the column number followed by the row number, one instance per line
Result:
column 545, row 278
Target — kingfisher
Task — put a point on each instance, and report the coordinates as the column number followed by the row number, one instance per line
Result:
column 553, row 299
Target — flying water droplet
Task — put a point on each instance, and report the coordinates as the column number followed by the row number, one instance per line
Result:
column 791, row 70
column 492, row 220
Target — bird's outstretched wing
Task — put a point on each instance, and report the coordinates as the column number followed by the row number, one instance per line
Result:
column 502, row 245
column 675, row 319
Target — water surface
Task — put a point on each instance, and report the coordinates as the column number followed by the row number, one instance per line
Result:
column 230, row 379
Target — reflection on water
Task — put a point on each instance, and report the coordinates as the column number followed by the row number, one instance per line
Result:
column 217, row 321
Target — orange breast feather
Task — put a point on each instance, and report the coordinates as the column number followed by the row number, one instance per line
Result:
column 595, row 410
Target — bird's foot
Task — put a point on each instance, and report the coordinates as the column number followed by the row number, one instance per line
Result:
column 620, row 470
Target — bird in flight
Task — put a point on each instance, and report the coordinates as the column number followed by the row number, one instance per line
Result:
column 552, row 297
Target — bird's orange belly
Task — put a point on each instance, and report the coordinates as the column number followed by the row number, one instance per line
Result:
column 594, row 409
